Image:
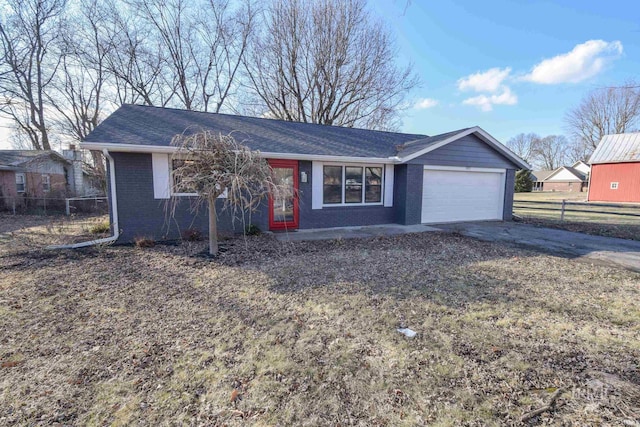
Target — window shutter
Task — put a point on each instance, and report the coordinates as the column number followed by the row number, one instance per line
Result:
column 161, row 176
column 388, row 185
column 316, row 185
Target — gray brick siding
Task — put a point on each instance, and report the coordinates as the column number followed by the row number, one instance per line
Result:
column 338, row 216
column 140, row 214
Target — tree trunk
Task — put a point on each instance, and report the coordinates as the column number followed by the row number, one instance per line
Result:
column 213, row 227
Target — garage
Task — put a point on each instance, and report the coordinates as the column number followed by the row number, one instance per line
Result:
column 462, row 194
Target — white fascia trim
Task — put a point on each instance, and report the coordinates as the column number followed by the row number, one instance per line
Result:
column 483, row 135
column 465, row 169
column 129, row 148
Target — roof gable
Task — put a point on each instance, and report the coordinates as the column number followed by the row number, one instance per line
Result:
column 541, row 175
column 18, row 158
column 421, row 147
column 581, row 167
column 618, row 148
column 566, row 173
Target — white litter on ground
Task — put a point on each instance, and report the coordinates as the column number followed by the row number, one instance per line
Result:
column 408, row 332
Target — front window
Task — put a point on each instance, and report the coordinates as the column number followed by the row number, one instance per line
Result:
column 352, row 185
column 46, row 183
column 20, row 183
column 373, row 185
column 332, row 185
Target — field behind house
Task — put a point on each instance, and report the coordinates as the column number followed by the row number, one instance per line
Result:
column 275, row 333
column 596, row 218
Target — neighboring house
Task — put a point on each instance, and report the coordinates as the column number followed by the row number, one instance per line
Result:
column 538, row 178
column 338, row 176
column 615, row 169
column 32, row 173
column 565, row 178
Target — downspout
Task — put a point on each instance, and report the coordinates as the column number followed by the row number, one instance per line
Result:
column 114, row 212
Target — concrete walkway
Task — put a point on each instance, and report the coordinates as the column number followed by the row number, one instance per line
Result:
column 351, row 232
column 597, row 249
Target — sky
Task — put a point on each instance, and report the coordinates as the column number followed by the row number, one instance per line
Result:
column 510, row 66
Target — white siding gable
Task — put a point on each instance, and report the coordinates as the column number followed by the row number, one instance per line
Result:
column 582, row 167
column 563, row 175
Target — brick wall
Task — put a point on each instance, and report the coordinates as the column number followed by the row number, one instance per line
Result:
column 564, row 186
column 140, row 215
column 339, row 216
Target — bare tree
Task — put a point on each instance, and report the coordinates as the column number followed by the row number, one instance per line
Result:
column 136, row 58
column 225, row 34
column 327, row 62
column 28, row 63
column 578, row 150
column 82, row 79
column 211, row 164
column 524, row 145
column 551, row 152
column 605, row 111
column 77, row 91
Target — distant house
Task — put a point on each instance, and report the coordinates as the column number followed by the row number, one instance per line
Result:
column 615, row 173
column 32, row 172
column 538, row 178
column 27, row 175
column 566, row 178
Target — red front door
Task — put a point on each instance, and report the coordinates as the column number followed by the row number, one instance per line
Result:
column 283, row 206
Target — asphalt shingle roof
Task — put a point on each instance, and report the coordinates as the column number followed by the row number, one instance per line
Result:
column 420, row 144
column 144, row 125
column 541, row 175
column 622, row 147
column 15, row 158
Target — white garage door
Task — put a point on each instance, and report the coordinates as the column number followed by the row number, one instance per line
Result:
column 462, row 195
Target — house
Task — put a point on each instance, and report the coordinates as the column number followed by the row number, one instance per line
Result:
column 30, row 174
column 615, row 169
column 338, row 176
column 565, row 178
column 538, row 178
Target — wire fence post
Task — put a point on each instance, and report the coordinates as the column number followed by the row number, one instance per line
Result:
column 564, row 202
column 67, row 208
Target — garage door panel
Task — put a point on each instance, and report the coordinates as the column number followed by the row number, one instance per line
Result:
column 450, row 196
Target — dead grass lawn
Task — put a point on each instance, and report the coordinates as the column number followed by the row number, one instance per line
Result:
column 33, row 232
column 305, row 334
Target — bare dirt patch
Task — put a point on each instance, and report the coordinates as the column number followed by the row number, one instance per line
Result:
column 277, row 333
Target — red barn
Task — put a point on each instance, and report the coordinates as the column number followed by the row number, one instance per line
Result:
column 615, row 169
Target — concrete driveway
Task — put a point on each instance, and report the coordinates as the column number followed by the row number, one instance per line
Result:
column 597, row 249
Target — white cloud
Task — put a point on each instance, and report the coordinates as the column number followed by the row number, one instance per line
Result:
column 487, row 81
column 486, row 102
column 584, row 61
column 424, row 103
